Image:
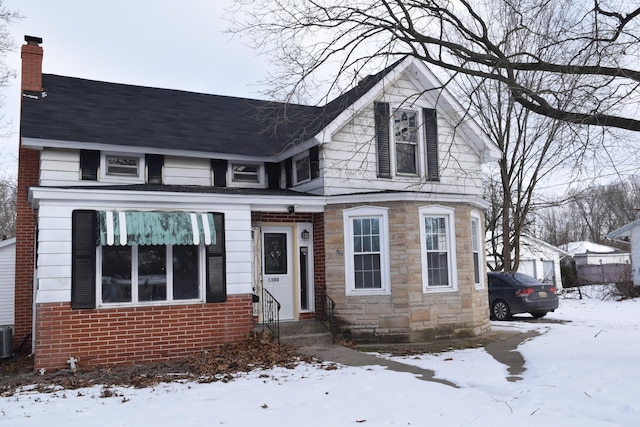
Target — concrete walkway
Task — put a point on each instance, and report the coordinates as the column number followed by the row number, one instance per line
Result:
column 501, row 345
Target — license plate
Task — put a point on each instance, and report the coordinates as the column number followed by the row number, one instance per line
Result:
column 542, row 294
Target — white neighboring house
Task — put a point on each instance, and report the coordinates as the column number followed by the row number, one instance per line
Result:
column 539, row 259
column 7, row 279
column 589, row 253
column 630, row 233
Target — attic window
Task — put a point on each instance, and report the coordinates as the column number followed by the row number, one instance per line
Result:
column 122, row 166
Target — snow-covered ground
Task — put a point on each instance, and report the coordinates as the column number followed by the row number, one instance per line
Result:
column 582, row 372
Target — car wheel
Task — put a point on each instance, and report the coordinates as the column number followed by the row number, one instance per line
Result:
column 500, row 310
column 538, row 314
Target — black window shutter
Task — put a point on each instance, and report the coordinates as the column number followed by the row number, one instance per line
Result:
column 382, row 139
column 288, row 172
column 89, row 162
column 273, row 175
column 154, row 162
column 216, row 264
column 219, row 168
column 314, row 160
column 83, row 259
column 431, row 138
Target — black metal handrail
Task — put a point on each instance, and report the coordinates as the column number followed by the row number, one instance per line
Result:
column 329, row 308
column 271, row 313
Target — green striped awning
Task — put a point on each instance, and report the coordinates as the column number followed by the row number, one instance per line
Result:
column 122, row 228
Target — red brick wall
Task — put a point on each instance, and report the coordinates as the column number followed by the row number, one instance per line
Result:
column 319, row 281
column 28, row 175
column 137, row 334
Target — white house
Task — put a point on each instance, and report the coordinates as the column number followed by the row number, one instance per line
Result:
column 7, row 281
column 589, row 253
column 540, row 260
column 160, row 213
column 630, row 233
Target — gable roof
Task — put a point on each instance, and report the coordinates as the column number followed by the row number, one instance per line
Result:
column 81, row 112
column 623, row 234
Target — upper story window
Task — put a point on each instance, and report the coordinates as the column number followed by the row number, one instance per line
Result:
column 366, row 236
column 122, row 165
column 246, row 174
column 302, row 169
column 306, row 166
column 406, row 142
column 405, row 132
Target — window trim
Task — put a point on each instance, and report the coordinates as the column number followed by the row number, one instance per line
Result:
column 449, row 215
column 253, row 184
column 348, row 215
column 106, row 177
column 135, row 302
column 475, row 217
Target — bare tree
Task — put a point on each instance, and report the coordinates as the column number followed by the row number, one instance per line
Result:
column 591, row 213
column 532, row 146
column 596, row 42
column 8, row 195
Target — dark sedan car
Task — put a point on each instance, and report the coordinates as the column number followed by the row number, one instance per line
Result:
column 511, row 293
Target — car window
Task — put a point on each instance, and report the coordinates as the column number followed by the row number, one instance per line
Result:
column 525, row 279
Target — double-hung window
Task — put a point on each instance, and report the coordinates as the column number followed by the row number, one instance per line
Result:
column 476, row 253
column 406, row 142
column 366, row 250
column 405, row 127
column 437, row 238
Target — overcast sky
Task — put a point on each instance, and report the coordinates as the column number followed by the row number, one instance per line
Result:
column 176, row 45
column 159, row 43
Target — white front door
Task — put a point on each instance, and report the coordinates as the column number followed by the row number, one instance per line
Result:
column 277, row 267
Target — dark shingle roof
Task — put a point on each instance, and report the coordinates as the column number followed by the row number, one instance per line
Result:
column 86, row 111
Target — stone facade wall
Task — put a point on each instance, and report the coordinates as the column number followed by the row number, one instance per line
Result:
column 408, row 314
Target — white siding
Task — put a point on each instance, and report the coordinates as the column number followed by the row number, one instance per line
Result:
column 635, row 255
column 350, row 158
column 187, row 171
column 54, row 244
column 7, row 281
column 62, row 168
column 59, row 167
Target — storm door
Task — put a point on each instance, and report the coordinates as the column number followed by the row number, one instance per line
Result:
column 277, row 267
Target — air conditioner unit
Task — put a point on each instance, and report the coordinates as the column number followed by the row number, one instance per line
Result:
column 6, row 342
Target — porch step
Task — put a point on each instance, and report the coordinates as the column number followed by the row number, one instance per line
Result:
column 301, row 333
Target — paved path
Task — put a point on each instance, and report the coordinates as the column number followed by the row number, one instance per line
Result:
column 502, row 346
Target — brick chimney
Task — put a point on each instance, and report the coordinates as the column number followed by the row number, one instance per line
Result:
column 32, row 64
column 26, row 218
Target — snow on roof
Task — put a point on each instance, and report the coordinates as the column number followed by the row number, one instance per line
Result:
column 577, row 248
